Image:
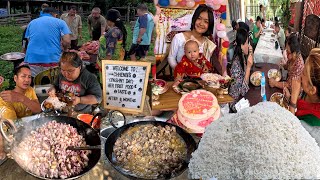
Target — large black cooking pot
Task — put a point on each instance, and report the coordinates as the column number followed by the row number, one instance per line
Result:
column 112, row 138
column 91, row 137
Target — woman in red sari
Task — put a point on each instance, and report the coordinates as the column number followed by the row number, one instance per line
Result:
column 193, row 63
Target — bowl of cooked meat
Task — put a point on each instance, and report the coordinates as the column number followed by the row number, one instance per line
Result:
column 40, row 147
column 149, row 150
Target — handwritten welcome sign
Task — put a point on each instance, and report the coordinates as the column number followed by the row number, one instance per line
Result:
column 124, row 85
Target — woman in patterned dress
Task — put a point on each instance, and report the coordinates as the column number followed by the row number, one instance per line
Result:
column 295, row 67
column 241, row 64
column 113, row 43
column 201, row 28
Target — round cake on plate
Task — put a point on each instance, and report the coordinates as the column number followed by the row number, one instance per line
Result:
column 198, row 109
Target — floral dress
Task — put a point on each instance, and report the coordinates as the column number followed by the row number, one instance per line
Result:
column 187, row 68
column 240, row 86
column 295, row 70
column 110, row 45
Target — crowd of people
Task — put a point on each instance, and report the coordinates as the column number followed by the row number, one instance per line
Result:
column 67, row 31
column 48, row 42
column 191, row 54
column 301, row 87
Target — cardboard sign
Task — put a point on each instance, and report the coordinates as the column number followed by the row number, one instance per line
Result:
column 125, row 85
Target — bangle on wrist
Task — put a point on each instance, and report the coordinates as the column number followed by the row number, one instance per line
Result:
column 293, row 105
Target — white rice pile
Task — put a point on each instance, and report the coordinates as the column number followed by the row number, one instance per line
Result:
column 260, row 142
column 314, row 131
column 56, row 103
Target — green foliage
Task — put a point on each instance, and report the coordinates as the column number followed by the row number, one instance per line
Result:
column 5, row 85
column 10, row 41
column 151, row 8
column 286, row 14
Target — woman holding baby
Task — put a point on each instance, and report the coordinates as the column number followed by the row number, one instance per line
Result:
column 201, row 28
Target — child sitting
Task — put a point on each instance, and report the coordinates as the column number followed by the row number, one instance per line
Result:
column 193, row 63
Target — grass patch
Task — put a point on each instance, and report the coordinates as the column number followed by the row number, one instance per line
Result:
column 10, row 41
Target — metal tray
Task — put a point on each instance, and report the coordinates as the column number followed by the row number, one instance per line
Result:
column 12, row 56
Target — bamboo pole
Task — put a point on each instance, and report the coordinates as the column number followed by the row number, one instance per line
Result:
column 8, row 7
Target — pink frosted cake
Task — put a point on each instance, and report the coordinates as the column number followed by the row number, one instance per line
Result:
column 198, row 109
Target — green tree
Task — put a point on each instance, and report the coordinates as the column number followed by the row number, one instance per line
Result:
column 286, row 14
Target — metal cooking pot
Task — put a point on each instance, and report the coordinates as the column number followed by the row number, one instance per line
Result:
column 112, row 138
column 91, row 137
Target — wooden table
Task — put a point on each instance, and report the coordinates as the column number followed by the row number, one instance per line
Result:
column 254, row 93
column 169, row 100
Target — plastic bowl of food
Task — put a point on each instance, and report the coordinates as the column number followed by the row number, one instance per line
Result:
column 162, row 85
column 255, row 78
column 275, row 74
column 53, row 104
column 87, row 118
column 279, row 99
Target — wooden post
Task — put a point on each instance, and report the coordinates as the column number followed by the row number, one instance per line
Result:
column 61, row 9
column 8, row 7
column 299, row 13
column 128, row 14
column 27, row 7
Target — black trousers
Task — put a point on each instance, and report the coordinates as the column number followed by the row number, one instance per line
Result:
column 96, row 35
column 74, row 44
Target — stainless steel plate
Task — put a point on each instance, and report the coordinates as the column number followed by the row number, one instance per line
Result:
column 12, row 56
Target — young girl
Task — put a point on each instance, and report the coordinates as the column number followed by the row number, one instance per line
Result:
column 241, row 64
column 308, row 107
column 193, row 63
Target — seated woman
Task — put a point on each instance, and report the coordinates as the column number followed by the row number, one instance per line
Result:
column 294, row 66
column 240, row 67
column 193, row 63
column 22, row 100
column 308, row 107
column 201, row 28
column 76, row 79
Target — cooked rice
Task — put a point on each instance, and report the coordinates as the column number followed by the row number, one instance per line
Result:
column 55, row 102
column 261, row 142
